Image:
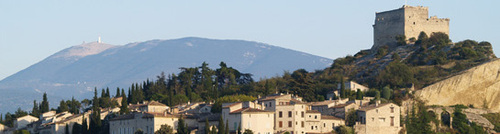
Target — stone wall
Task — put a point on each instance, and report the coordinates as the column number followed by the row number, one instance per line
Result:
column 408, row 21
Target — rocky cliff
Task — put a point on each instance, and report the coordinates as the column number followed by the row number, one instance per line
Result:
column 479, row 86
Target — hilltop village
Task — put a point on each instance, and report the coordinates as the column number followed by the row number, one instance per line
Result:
column 222, row 102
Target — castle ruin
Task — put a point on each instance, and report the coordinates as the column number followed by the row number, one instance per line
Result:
column 408, row 21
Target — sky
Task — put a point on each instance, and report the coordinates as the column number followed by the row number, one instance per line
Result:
column 33, row 30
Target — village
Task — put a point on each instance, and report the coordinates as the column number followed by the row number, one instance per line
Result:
column 277, row 113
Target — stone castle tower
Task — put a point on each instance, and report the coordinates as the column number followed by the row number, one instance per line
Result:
column 408, row 21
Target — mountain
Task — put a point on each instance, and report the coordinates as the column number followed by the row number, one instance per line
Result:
column 77, row 70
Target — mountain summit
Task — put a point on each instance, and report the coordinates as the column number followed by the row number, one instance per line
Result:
column 77, row 70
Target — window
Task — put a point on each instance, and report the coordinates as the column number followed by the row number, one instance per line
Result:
column 333, row 125
column 289, row 123
column 392, row 109
column 280, row 124
column 324, row 124
column 315, row 117
column 302, row 124
column 280, row 114
column 302, row 114
column 270, row 105
column 312, row 127
column 392, row 121
column 289, row 113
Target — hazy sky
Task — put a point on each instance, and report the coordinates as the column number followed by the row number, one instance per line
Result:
column 33, row 30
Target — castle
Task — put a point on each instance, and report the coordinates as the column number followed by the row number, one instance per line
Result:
column 408, row 21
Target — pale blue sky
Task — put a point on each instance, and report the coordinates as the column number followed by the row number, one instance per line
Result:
column 33, row 30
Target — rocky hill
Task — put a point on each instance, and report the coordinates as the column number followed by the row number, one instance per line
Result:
column 478, row 86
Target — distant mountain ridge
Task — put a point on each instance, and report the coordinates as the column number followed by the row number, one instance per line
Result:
column 75, row 71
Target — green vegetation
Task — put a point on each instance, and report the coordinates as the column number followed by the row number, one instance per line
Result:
column 494, row 118
column 165, row 129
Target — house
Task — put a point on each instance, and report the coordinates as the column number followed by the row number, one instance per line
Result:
column 22, row 122
column 147, row 122
column 248, row 115
column 378, row 119
column 325, row 107
column 3, row 128
column 296, row 117
column 353, row 86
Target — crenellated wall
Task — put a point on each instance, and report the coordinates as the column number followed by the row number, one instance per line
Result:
column 408, row 21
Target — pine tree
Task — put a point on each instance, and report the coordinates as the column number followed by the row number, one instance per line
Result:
column 45, row 104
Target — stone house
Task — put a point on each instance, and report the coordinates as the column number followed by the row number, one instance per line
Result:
column 248, row 115
column 22, row 122
column 147, row 122
column 378, row 119
column 149, row 106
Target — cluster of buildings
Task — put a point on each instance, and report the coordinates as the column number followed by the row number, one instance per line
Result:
column 273, row 114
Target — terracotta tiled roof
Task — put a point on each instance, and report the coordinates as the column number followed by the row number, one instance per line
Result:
column 124, row 117
column 312, row 111
column 327, row 117
column 321, row 103
column 151, row 115
column 249, row 110
column 373, row 106
column 271, row 97
column 234, row 104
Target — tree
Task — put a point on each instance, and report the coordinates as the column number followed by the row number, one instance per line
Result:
column 139, row 131
column 214, row 130
column 343, row 93
column 351, row 118
column 165, row 129
column 124, row 107
column 62, row 107
column 207, row 126
column 226, row 130
column 77, row 129
column 359, row 94
column 95, row 119
column 21, row 132
column 35, row 111
column 221, row 126
column 401, row 40
column 248, row 131
column 377, row 95
column 66, row 129
column 45, row 104
column 181, row 126
column 239, row 128
column 386, row 93
column 85, row 128
column 118, row 94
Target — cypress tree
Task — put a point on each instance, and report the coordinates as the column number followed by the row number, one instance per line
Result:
column 45, row 104
column 35, row 111
column 221, row 126
column 85, row 128
column 118, row 94
column 207, row 126
column 359, row 95
column 66, row 129
column 181, row 126
column 77, row 128
column 124, row 106
column 239, row 128
column 226, row 129
column 107, row 92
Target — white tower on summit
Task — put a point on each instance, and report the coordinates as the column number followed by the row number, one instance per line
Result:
column 99, row 39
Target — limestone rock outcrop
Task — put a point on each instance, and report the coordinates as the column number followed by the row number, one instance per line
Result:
column 479, row 86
